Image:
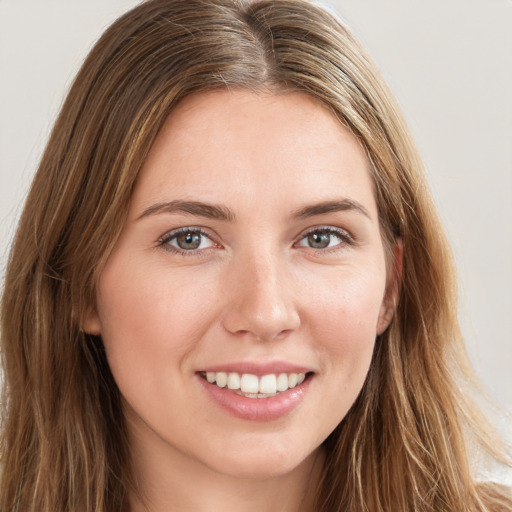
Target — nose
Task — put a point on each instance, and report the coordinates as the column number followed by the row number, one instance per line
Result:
column 261, row 301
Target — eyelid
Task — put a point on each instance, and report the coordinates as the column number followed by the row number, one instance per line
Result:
column 164, row 240
column 346, row 237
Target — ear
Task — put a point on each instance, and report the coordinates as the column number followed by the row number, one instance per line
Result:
column 394, row 281
column 91, row 322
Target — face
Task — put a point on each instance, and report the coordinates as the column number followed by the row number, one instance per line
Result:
column 240, row 305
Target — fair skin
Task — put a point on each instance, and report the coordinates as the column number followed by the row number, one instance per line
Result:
column 278, row 268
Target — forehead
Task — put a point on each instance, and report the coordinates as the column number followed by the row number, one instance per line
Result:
column 216, row 143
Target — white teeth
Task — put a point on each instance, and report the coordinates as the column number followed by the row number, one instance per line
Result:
column 253, row 386
column 233, row 381
column 221, row 379
column 268, row 384
column 249, row 383
column 282, row 382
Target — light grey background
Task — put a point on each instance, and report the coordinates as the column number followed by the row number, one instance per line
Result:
column 448, row 61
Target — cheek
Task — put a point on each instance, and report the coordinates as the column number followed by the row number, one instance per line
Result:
column 343, row 319
column 346, row 304
column 148, row 320
column 142, row 301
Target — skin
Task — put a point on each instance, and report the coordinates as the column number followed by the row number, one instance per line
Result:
column 255, row 290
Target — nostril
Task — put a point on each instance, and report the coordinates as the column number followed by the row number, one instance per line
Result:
column 245, row 326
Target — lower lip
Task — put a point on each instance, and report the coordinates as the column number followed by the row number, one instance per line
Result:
column 257, row 409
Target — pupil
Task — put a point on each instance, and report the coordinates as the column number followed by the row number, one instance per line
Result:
column 319, row 240
column 189, row 240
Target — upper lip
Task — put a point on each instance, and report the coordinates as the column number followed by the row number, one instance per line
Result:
column 257, row 368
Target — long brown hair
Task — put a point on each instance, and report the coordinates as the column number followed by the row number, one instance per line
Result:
column 402, row 446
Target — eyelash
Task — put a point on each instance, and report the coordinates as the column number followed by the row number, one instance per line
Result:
column 344, row 236
column 164, row 241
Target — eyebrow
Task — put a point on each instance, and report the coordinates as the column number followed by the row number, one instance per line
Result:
column 210, row 211
column 329, row 207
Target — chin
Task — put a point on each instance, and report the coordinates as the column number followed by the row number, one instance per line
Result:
column 263, row 462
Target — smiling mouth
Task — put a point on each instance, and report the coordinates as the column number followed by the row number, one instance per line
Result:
column 252, row 386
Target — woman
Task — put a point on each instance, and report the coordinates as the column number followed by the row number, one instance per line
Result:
column 229, row 287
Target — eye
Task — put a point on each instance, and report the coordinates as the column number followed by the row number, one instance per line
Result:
column 324, row 238
column 186, row 240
